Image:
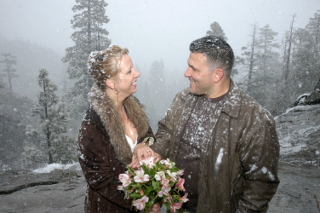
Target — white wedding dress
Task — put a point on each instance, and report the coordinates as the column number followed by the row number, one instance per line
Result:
column 131, row 143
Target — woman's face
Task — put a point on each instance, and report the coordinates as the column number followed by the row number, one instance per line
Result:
column 127, row 83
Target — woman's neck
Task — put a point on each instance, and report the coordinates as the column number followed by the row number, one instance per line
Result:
column 116, row 98
column 127, row 125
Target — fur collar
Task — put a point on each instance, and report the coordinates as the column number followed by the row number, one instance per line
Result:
column 102, row 104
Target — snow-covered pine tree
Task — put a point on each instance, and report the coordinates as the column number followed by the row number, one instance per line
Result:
column 89, row 35
column 157, row 87
column 305, row 70
column 9, row 72
column 247, row 58
column 261, row 59
column 53, row 121
column 216, row 30
column 268, row 67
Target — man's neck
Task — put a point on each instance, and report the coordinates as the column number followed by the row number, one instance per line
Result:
column 221, row 88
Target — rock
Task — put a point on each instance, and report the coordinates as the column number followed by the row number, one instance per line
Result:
column 299, row 135
column 295, row 193
column 63, row 191
column 317, row 87
column 57, row 191
column 298, row 191
column 309, row 98
column 313, row 98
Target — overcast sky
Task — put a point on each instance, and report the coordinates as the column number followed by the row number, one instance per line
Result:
column 154, row 29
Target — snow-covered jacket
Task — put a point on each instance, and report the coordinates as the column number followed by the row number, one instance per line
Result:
column 104, row 151
column 239, row 160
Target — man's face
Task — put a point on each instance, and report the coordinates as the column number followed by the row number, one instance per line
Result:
column 199, row 74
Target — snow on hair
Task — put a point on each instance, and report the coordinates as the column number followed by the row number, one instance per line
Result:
column 105, row 64
column 216, row 49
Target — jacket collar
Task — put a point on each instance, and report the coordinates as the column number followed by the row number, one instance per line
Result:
column 103, row 106
column 231, row 105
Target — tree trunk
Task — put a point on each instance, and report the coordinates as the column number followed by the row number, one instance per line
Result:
column 251, row 58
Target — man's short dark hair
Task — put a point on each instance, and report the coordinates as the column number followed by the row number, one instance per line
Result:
column 217, row 51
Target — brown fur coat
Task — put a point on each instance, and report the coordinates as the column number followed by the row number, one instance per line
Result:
column 104, row 151
column 102, row 104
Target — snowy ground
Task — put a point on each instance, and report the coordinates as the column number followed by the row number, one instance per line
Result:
column 63, row 189
column 65, row 194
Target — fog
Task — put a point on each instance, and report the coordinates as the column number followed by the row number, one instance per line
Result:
column 153, row 30
column 38, row 32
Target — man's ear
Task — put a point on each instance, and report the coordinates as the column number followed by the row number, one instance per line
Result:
column 110, row 83
column 218, row 75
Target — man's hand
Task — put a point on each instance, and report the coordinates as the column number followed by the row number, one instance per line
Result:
column 140, row 153
column 155, row 208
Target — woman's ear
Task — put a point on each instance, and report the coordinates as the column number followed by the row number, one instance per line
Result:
column 110, row 83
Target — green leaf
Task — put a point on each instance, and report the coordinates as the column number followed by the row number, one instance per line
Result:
column 156, row 185
column 167, row 205
column 136, row 196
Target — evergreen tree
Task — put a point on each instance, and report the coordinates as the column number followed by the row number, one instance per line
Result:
column 261, row 59
column 9, row 72
column 281, row 99
column 267, row 58
column 53, row 123
column 305, row 60
column 157, row 88
column 216, row 30
column 89, row 35
column 248, row 58
column 264, row 81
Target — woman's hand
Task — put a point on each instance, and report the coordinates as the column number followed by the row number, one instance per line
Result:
column 143, row 152
column 140, row 153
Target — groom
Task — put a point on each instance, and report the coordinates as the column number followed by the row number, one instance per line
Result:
column 225, row 141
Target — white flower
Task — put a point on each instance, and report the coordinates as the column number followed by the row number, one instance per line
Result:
column 168, row 163
column 173, row 175
column 140, row 176
column 150, row 162
column 160, row 175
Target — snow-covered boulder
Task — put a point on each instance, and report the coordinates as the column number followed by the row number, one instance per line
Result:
column 299, row 135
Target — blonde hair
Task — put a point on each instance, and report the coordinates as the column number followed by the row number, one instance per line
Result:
column 105, row 64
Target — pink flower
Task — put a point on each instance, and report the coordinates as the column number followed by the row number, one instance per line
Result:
column 167, row 163
column 120, row 187
column 162, row 192
column 160, row 175
column 168, row 198
column 175, row 206
column 137, row 182
column 165, row 189
column 141, row 203
column 140, row 176
column 173, row 175
column 180, row 172
column 180, row 184
column 184, row 198
column 164, row 182
column 149, row 162
column 125, row 180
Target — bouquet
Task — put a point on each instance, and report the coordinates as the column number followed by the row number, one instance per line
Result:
column 154, row 183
